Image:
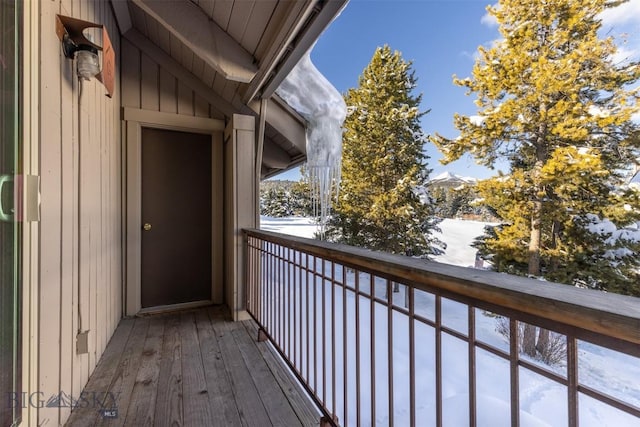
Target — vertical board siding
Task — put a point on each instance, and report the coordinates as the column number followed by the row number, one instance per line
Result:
column 185, row 100
column 80, row 246
column 168, row 102
column 130, row 66
column 147, row 85
column 50, row 286
column 68, row 249
column 69, row 208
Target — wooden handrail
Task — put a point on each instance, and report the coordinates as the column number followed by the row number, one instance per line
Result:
column 606, row 319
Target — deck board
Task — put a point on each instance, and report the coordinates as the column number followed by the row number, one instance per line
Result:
column 194, row 386
column 168, row 409
column 143, row 397
column 250, row 406
column 221, row 398
column 194, row 368
column 102, row 377
column 275, row 402
column 308, row 414
column 124, row 375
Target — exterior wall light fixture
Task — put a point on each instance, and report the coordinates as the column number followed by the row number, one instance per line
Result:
column 76, row 45
column 88, row 62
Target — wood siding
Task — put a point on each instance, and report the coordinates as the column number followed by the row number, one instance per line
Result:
column 80, row 256
column 149, row 86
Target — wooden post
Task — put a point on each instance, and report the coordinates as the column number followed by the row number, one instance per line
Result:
column 239, row 205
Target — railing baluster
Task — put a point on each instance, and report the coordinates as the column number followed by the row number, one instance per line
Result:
column 255, row 288
column 267, row 277
column 281, row 340
column 471, row 316
column 255, row 295
column 324, row 334
column 247, row 272
column 268, row 302
column 273, row 300
column 315, row 323
column 308, row 340
column 261, row 274
column 300, row 328
column 357, row 344
column 301, row 311
column 276, row 308
column 287, row 306
column 390, row 349
column 412, row 356
column 372, row 329
column 572, row 378
column 295, row 311
column 345, row 321
column 438, row 335
column 514, row 376
column 333, row 339
column 259, row 271
column 276, row 286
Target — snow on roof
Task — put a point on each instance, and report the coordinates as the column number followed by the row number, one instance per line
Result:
column 308, row 92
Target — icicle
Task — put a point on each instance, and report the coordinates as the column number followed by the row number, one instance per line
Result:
column 308, row 92
column 324, row 182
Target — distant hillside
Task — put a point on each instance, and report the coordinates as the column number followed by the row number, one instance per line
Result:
column 448, row 179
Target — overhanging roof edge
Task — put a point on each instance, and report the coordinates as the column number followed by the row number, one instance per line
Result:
column 300, row 44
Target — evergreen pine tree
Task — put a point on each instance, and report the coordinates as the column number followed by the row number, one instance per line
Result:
column 276, row 202
column 384, row 165
column 457, row 202
column 553, row 103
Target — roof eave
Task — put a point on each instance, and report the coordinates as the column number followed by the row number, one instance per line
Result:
column 311, row 22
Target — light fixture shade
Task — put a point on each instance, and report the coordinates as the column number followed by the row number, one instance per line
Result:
column 88, row 64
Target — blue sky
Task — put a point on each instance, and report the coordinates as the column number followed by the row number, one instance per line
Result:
column 441, row 38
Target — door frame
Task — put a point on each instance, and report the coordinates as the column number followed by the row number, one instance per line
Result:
column 133, row 121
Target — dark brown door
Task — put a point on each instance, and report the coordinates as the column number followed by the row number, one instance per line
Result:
column 176, row 217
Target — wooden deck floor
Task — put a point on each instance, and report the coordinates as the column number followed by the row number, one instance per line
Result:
column 193, row 368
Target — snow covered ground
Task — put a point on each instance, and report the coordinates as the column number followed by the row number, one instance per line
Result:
column 457, row 234
column 294, row 226
column 542, row 401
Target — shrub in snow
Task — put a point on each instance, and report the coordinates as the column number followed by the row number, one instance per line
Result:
column 552, row 352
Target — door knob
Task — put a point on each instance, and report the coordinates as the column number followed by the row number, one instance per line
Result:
column 146, row 226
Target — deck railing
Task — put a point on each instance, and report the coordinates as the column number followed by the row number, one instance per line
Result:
column 379, row 339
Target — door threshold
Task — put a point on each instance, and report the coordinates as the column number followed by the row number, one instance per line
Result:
column 173, row 307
